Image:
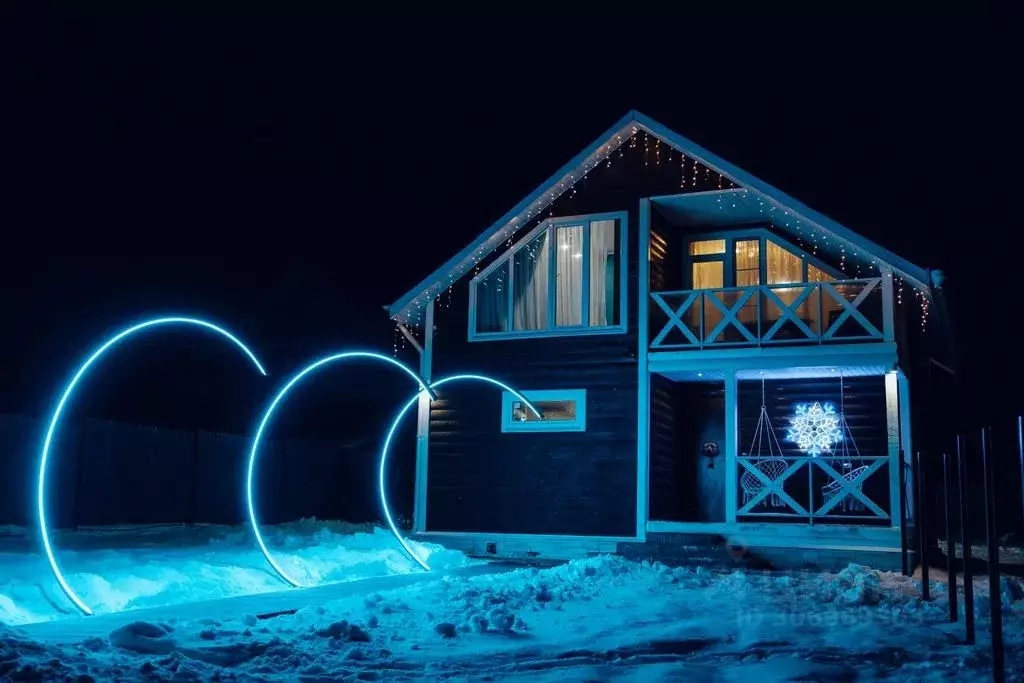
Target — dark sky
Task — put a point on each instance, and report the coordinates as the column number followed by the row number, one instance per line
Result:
column 290, row 177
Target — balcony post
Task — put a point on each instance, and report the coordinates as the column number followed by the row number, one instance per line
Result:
column 643, row 419
column 731, row 450
column 888, row 334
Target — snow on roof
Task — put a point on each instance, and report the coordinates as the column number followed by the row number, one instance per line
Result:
column 784, row 211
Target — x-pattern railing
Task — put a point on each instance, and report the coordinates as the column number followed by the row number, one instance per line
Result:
column 843, row 486
column 731, row 308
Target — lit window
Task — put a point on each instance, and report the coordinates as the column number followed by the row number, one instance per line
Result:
column 564, row 277
column 782, row 265
column 561, row 410
column 748, row 263
column 815, row 274
column 707, row 247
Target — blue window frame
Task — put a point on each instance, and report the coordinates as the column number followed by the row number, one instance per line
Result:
column 562, row 410
column 567, row 276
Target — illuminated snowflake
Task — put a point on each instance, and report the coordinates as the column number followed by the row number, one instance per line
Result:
column 815, row 428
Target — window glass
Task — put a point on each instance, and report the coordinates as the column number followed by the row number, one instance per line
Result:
column 561, row 410
column 492, row 301
column 815, row 274
column 705, row 247
column 782, row 265
column 748, row 262
column 708, row 274
column 569, row 275
column 604, row 274
column 530, row 281
column 551, row 411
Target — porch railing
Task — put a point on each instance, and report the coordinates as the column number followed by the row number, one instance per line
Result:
column 814, row 487
column 811, row 312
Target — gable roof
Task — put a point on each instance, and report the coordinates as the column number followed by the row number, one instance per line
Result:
column 411, row 305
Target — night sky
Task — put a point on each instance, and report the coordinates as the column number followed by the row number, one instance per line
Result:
column 290, row 178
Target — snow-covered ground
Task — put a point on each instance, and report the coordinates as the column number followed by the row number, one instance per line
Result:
column 132, row 567
column 603, row 618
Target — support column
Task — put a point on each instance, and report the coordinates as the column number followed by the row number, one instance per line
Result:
column 906, row 443
column 419, row 514
column 643, row 418
column 731, row 440
column 892, row 431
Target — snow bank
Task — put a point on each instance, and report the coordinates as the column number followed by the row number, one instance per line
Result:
column 130, row 568
column 595, row 619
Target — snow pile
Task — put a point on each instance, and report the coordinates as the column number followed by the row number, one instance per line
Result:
column 131, row 568
column 595, row 619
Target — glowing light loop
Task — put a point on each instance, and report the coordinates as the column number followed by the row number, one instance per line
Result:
column 391, row 433
column 59, row 410
column 815, row 428
column 298, row 377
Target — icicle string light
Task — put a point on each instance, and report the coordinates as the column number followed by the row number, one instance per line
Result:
column 806, row 234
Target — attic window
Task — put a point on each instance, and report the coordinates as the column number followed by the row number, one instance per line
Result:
column 565, row 277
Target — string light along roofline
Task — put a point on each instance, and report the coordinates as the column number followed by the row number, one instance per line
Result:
column 784, row 215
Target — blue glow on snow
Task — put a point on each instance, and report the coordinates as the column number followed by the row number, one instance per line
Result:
column 266, row 418
column 51, row 430
column 391, row 433
column 815, row 428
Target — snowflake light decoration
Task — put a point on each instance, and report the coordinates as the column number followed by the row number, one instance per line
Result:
column 815, row 428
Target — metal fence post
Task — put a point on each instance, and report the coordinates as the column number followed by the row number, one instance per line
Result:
column 922, row 526
column 995, row 598
column 904, row 549
column 954, row 613
column 965, row 539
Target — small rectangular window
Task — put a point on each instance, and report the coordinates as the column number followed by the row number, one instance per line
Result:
column 561, row 410
column 707, row 247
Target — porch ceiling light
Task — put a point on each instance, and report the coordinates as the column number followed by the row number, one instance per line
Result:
column 59, row 410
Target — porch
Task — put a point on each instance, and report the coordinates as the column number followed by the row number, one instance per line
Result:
column 763, row 490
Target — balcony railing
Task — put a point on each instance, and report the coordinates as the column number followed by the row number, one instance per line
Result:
column 801, row 313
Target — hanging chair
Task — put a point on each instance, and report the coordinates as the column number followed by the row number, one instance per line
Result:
column 852, row 466
column 772, row 465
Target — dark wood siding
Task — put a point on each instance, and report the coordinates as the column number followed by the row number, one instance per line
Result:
column 480, row 479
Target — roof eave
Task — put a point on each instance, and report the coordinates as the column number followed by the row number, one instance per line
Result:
column 400, row 305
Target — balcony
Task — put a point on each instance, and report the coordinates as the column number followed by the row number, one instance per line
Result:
column 838, row 312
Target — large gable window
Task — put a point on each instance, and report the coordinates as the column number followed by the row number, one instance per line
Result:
column 566, row 276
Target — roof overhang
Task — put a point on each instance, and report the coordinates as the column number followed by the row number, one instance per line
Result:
column 754, row 198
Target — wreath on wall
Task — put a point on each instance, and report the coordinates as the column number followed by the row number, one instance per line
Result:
column 710, row 451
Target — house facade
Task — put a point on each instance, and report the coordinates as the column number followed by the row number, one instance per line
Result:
column 711, row 359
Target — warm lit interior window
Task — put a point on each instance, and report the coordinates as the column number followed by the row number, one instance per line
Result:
column 708, row 274
column 748, row 262
column 551, row 411
column 815, row 274
column 782, row 265
column 706, row 247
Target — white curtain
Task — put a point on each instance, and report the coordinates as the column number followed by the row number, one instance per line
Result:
column 603, row 278
column 492, row 301
column 530, row 281
column 569, row 275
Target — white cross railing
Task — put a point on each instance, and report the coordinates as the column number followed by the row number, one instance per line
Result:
column 812, row 312
column 765, row 494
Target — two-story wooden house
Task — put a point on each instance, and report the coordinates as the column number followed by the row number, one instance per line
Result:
column 711, row 357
